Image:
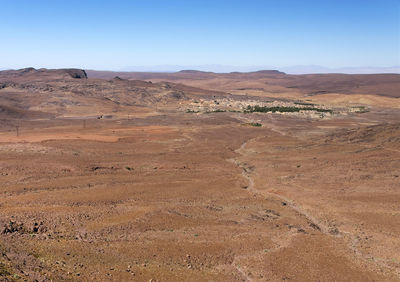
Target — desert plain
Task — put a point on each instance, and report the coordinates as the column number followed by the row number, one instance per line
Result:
column 198, row 176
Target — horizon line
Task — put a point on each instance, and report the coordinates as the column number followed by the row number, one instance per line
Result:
column 215, row 68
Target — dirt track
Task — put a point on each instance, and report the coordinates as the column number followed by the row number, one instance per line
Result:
column 176, row 196
column 184, row 210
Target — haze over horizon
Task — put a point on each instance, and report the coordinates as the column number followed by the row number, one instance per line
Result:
column 299, row 69
column 291, row 36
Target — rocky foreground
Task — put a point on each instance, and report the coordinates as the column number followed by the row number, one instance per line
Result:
column 127, row 180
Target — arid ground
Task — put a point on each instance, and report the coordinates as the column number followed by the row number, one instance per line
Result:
column 195, row 176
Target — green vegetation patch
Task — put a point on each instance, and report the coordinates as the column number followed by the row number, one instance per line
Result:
column 283, row 109
column 256, row 124
column 191, row 111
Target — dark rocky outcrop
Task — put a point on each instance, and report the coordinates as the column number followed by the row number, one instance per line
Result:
column 76, row 73
column 32, row 73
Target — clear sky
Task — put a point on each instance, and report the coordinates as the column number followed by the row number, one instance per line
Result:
column 116, row 34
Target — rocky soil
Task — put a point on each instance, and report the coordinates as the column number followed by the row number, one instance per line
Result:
column 113, row 180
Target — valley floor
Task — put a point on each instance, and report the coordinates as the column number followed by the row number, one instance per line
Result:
column 208, row 197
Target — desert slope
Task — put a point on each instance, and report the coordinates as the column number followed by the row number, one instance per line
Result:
column 378, row 84
column 122, row 179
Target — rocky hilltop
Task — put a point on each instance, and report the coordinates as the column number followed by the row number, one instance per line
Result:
column 41, row 74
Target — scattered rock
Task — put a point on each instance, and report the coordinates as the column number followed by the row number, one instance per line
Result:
column 13, row 227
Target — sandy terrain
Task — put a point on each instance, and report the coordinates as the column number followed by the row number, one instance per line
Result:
column 115, row 181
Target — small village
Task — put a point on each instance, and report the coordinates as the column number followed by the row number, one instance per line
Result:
column 298, row 109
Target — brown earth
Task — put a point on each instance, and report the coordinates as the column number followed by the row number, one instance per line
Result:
column 269, row 82
column 110, row 180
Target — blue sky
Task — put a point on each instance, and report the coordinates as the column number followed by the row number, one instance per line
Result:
column 117, row 34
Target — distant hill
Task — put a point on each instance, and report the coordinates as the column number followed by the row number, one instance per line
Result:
column 272, row 80
column 37, row 93
column 41, row 74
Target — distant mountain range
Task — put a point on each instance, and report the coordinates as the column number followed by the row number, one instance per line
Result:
column 349, row 70
column 300, row 69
